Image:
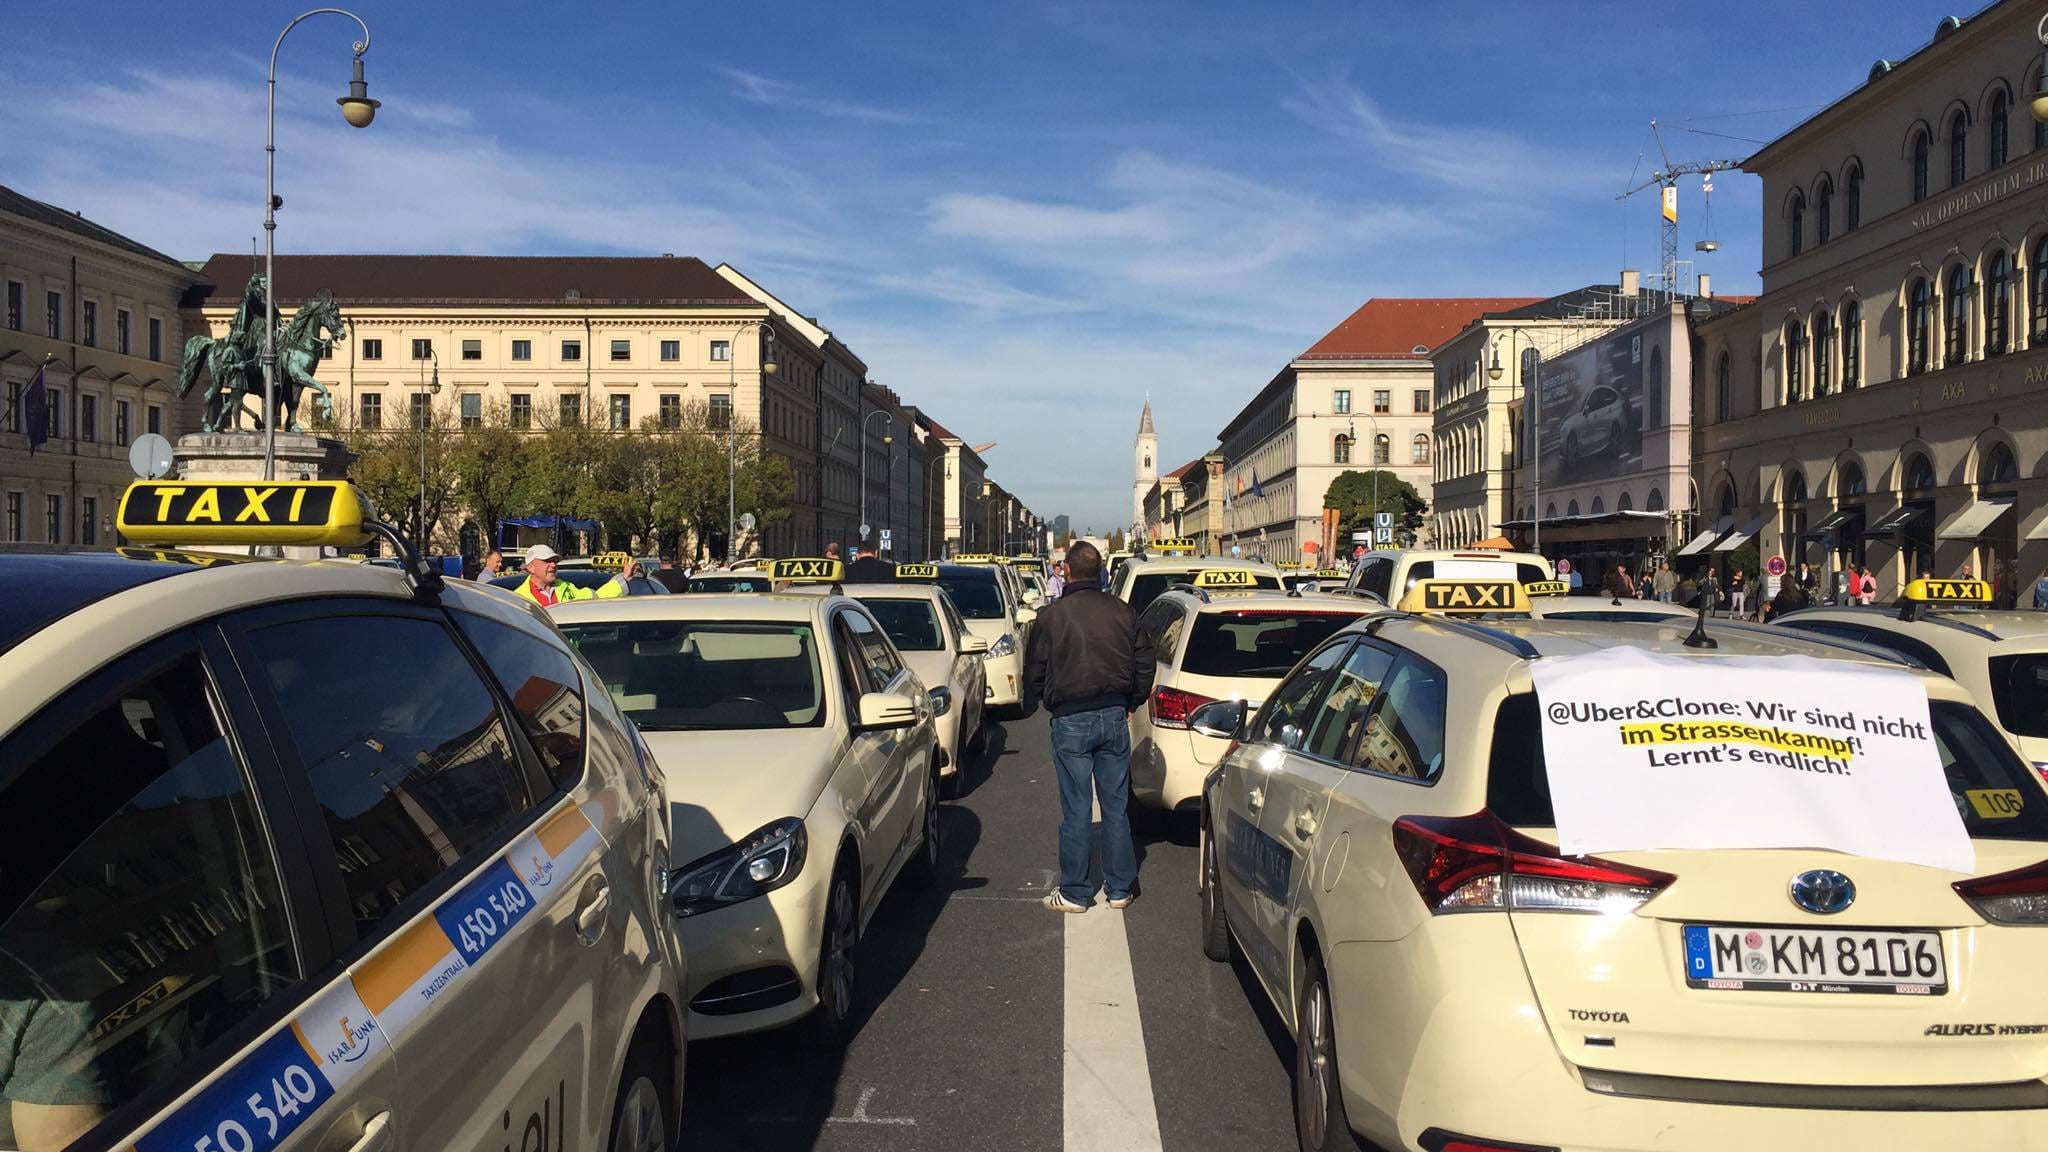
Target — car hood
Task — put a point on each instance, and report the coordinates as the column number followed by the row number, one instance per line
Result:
column 932, row 669
column 724, row 785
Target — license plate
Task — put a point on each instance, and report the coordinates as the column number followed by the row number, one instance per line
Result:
column 1758, row 959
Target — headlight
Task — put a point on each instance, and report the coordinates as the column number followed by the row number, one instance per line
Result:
column 942, row 700
column 764, row 861
column 1004, row 646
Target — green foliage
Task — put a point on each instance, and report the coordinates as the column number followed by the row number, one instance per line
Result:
column 1351, row 494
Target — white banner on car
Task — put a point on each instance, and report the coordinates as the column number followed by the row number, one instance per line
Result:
column 1648, row 751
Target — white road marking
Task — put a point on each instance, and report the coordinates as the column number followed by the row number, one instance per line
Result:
column 1107, row 1081
column 860, row 1113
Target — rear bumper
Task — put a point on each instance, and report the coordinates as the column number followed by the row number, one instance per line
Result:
column 1164, row 771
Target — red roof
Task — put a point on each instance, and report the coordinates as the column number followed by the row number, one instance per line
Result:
column 567, row 280
column 1407, row 329
column 1184, row 469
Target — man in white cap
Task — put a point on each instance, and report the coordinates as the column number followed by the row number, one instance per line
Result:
column 541, row 588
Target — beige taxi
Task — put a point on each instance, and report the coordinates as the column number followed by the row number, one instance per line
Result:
column 802, row 770
column 1140, row 580
column 991, row 611
column 318, row 855
column 1216, row 639
column 1381, row 845
column 1389, row 574
column 2000, row 658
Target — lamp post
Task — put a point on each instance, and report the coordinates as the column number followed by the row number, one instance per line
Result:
column 358, row 109
column 2037, row 100
column 1494, row 372
column 426, row 418
column 866, row 527
column 935, row 518
column 769, row 367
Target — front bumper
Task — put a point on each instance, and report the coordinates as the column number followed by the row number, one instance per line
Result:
column 741, row 955
column 1005, row 681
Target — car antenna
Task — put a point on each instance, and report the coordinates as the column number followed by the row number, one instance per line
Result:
column 1699, row 637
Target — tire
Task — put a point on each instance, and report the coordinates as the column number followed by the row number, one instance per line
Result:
column 642, row 1119
column 1320, row 1123
column 923, row 869
column 1215, row 920
column 831, row 1024
column 1571, row 447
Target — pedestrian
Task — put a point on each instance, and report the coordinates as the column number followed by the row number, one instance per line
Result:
column 1616, row 584
column 1710, row 591
column 1806, row 579
column 1791, row 597
column 1091, row 668
column 1866, row 586
column 1056, row 581
column 493, row 565
column 1738, row 595
column 2041, row 592
column 541, row 587
column 1574, row 579
column 1665, row 582
column 869, row 568
column 832, row 551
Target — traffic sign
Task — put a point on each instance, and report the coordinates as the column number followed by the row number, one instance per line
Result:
column 1775, row 565
column 1361, row 537
column 1236, row 550
column 1383, row 519
column 1564, row 567
column 150, row 456
column 885, row 537
column 1383, row 535
column 863, row 531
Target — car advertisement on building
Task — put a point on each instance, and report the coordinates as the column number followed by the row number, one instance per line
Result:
column 1592, row 419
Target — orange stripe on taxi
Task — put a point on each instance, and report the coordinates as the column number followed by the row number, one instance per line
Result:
column 562, row 829
column 383, row 978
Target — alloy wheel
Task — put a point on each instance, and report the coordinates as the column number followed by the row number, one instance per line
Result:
column 1312, row 1067
column 642, row 1125
column 836, row 982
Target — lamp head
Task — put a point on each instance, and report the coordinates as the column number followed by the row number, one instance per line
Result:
column 2037, row 100
column 357, row 108
column 1493, row 370
column 768, row 361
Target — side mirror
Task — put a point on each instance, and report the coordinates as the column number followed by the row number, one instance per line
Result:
column 1026, row 616
column 880, row 711
column 974, row 645
column 1223, row 719
column 942, row 700
column 1033, row 601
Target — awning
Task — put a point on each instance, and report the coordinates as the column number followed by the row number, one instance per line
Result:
column 1896, row 519
column 2039, row 531
column 1834, row 521
column 569, row 522
column 1971, row 522
column 1699, row 543
column 1742, row 535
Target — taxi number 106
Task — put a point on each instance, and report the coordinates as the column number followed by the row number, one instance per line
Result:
column 288, row 1093
column 480, row 925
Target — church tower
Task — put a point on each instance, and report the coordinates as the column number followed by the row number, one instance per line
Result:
column 1145, row 459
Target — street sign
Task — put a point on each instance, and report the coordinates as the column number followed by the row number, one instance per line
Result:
column 1383, row 535
column 1311, row 547
column 150, row 456
column 1236, row 550
column 1775, row 565
column 1358, row 552
column 863, row 531
column 1361, row 537
column 885, row 538
column 1383, row 519
column 1564, row 567
column 747, row 521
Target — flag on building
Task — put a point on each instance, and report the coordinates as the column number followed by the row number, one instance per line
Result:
column 35, row 411
column 1258, row 489
column 1671, row 203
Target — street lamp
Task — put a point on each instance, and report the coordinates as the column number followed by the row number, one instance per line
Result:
column 1494, row 372
column 769, row 367
column 2038, row 98
column 426, row 417
column 865, row 526
column 358, row 109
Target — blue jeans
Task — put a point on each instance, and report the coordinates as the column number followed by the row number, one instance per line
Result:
column 1092, row 751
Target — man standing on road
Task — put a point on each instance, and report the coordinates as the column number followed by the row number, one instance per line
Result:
column 1091, row 667
column 541, row 588
column 868, row 568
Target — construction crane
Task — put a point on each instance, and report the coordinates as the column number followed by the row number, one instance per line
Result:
column 1666, row 178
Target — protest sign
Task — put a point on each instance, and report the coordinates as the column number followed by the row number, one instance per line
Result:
column 1647, row 751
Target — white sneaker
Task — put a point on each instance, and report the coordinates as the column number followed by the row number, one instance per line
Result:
column 1122, row 901
column 1058, row 902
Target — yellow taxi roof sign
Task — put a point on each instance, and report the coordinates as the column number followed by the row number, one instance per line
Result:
column 1948, row 592
column 1465, row 597
column 920, row 572
column 809, row 570
column 609, row 560
column 1287, row 565
column 1226, row 578
column 974, row 558
column 303, row 512
column 1173, row 544
column 1536, row 588
column 1331, row 574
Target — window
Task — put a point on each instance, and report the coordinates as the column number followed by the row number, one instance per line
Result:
column 472, row 349
column 1920, row 166
column 1823, row 342
column 1382, row 449
column 671, row 351
column 721, row 349
column 1956, row 323
column 373, row 349
column 1919, row 473
column 1823, row 211
column 2000, row 114
column 154, row 876
column 1795, row 220
column 2037, row 301
column 621, row 414
column 1342, row 449
column 572, row 350
column 56, row 407
column 17, row 516
column 1598, row 507
column 522, row 350
column 156, row 338
column 90, row 323
column 371, row 410
column 88, row 418
column 708, row 675
column 622, row 350
column 1340, row 401
column 1852, row 344
column 1420, row 401
column 422, row 349
column 1291, row 708
column 413, row 768
column 1919, row 324
column 1997, row 305
column 671, row 410
column 878, row 664
column 1418, row 449
column 569, row 410
column 10, row 420
column 53, row 315
column 89, row 520
column 1382, row 400
column 1337, row 727
column 121, row 421
column 1721, row 388
column 719, row 413
column 16, row 308
column 123, row 323
column 1572, row 508
column 154, row 419
column 1852, row 199
column 422, row 410
column 472, row 408
column 522, row 410
column 1958, row 148
column 1795, row 362
column 1998, row 467
column 546, row 693
column 53, row 519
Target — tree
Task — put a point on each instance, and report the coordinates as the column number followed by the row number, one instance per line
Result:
column 1351, row 494
column 487, row 463
column 387, row 469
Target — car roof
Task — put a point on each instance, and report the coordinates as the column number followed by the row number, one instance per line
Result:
column 894, row 590
column 44, row 587
column 1989, row 624
column 775, row 606
column 1553, row 606
column 1271, row 600
column 1197, row 563
column 1414, row 554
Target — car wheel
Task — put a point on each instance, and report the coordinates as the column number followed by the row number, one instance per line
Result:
column 923, row 869
column 1215, row 921
column 1571, row 447
column 1320, row 1124
column 831, row 1024
column 640, row 1119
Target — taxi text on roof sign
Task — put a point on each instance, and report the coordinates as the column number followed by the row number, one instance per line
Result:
column 1949, row 592
column 917, row 571
column 305, row 512
column 1173, row 544
column 610, row 561
column 1331, row 574
column 1287, row 565
column 1451, row 597
column 1226, row 578
column 816, row 571
column 1536, row 588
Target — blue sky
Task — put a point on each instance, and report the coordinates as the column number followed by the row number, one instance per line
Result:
column 1024, row 217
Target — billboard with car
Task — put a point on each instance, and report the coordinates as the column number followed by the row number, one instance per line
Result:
column 1591, row 424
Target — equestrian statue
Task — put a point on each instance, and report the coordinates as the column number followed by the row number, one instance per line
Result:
column 233, row 364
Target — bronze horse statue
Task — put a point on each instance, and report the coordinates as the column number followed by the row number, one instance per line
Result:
column 233, row 363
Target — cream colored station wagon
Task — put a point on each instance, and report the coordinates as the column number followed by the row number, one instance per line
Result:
column 1380, row 844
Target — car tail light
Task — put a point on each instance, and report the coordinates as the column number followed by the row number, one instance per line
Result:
column 1171, row 707
column 2018, row 897
column 1438, row 1140
column 1478, row 864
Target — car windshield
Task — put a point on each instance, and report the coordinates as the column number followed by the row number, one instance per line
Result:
column 2019, row 690
column 1146, row 586
column 706, row 675
column 1973, row 755
column 1257, row 643
column 729, row 584
column 977, row 599
column 910, row 623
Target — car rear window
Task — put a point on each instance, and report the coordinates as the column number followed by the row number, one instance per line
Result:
column 910, row 623
column 706, row 675
column 978, row 598
column 1973, row 754
column 2019, row 690
column 1256, row 643
column 1147, row 586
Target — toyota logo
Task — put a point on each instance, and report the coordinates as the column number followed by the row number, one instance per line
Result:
column 1823, row 891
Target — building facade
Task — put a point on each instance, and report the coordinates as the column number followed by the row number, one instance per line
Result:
column 97, row 314
column 1885, row 401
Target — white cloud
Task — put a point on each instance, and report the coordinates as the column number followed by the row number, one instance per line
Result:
column 760, row 89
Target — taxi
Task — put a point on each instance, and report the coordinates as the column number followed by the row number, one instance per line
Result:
column 1140, row 581
column 1216, row 638
column 802, row 769
column 1552, row 600
column 1005, row 572
column 1026, row 562
column 717, row 583
column 1389, row 574
column 1381, row 844
column 318, row 855
column 985, row 602
column 937, row 644
column 2000, row 657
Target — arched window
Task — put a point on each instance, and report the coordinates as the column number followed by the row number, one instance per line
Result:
column 1998, row 466
column 1382, row 449
column 1418, row 451
column 1999, row 116
column 1341, row 449
column 1823, row 211
column 1998, row 305
column 1920, row 165
column 1599, row 509
column 1656, row 501
column 1722, row 391
column 1550, row 511
column 1918, row 473
column 1848, row 479
column 1852, row 199
column 1823, row 342
column 1795, row 361
column 2037, row 296
column 1956, row 318
column 1852, row 344
column 1919, row 324
column 1795, row 222
column 1958, row 148
column 1793, row 509
column 1727, row 499
column 1572, row 508
column 1622, row 503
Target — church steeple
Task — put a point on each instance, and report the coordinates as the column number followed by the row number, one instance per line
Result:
column 1145, row 463
column 1145, row 421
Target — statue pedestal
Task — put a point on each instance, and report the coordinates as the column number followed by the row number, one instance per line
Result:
column 212, row 456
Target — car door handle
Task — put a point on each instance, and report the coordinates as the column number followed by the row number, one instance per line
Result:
column 591, row 918
column 1256, row 800
column 376, row 1134
column 1305, row 824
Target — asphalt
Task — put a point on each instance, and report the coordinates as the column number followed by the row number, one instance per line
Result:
column 962, row 1002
